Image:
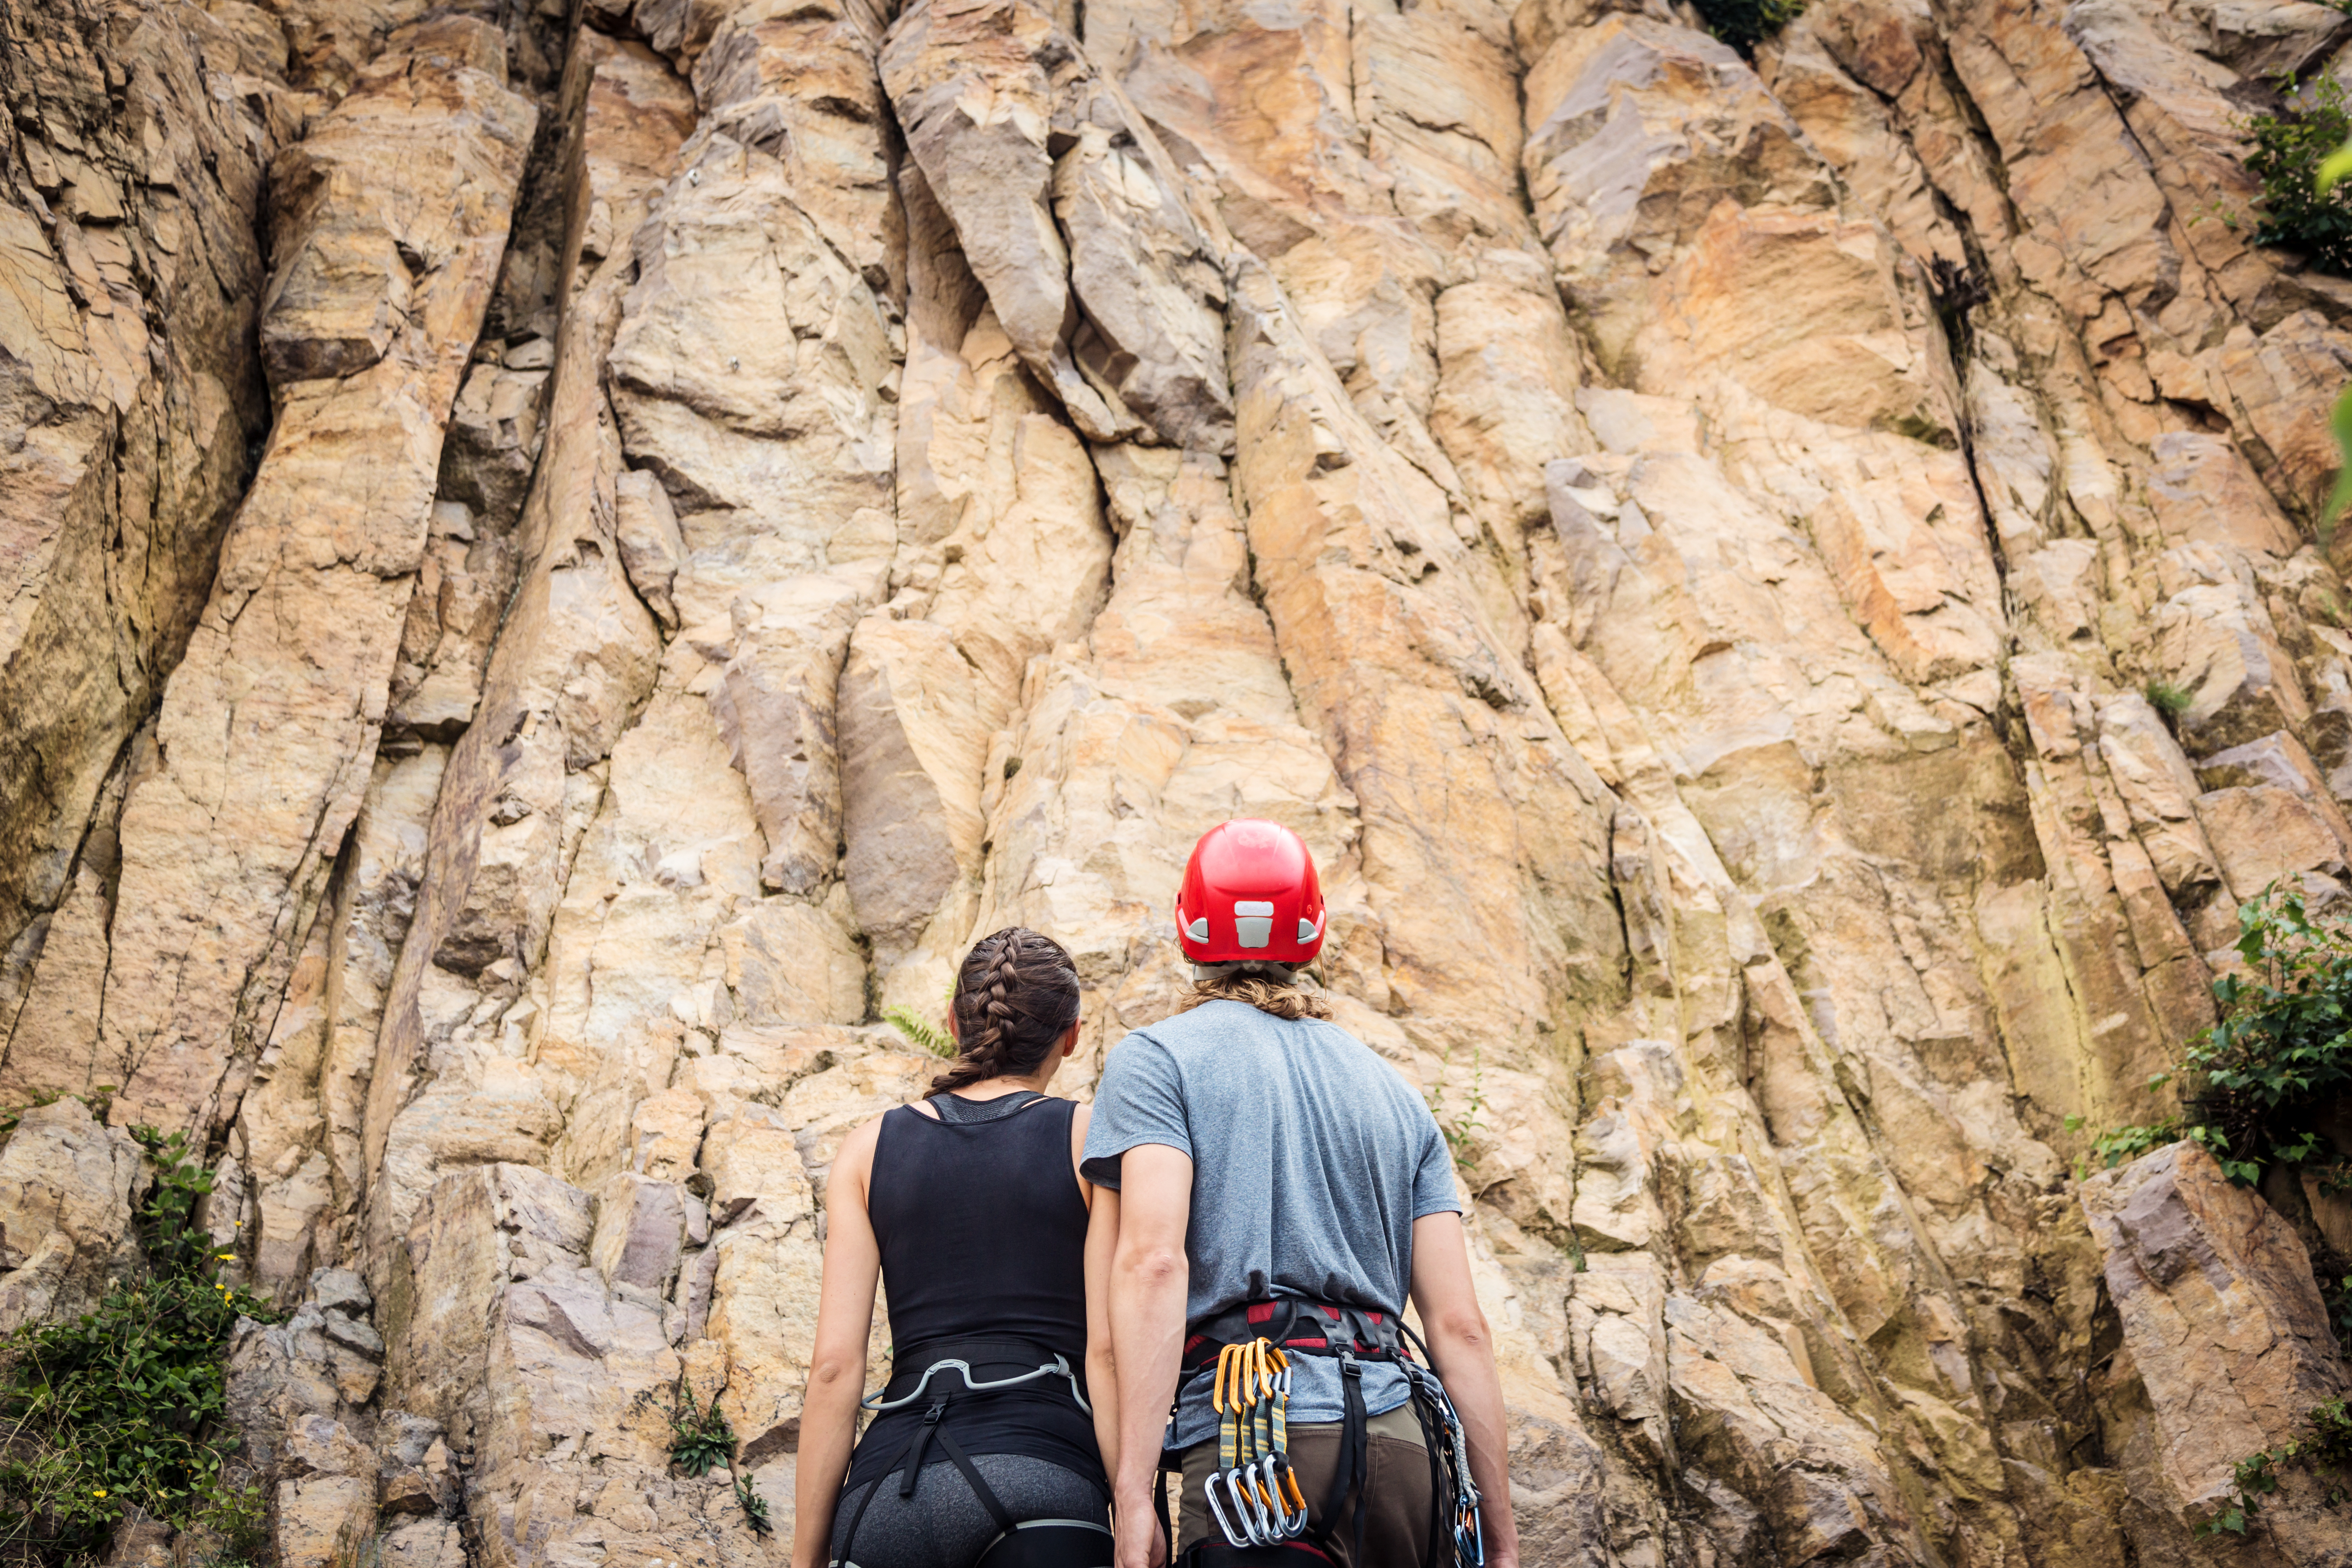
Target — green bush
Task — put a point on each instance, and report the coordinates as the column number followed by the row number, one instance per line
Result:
column 2289, row 148
column 1744, row 24
column 2282, row 1047
column 121, row 1408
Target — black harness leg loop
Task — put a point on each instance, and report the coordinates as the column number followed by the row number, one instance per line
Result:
column 910, row 1466
column 1354, row 1376
column 1348, row 1472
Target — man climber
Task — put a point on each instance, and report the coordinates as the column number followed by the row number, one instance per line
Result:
column 1281, row 1190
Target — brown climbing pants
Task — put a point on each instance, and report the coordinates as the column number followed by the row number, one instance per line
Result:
column 1396, row 1487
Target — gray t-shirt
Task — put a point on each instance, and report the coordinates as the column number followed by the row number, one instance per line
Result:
column 1311, row 1159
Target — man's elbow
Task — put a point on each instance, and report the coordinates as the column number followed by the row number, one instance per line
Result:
column 1150, row 1266
column 1463, row 1328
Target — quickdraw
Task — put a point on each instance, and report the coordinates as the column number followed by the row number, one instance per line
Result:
column 1449, row 1440
column 1262, row 1504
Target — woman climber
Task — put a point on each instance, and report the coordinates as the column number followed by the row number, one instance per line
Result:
column 967, row 1203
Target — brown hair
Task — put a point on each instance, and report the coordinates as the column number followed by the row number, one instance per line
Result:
column 1283, row 998
column 1016, row 995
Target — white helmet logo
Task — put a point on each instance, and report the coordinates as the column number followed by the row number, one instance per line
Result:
column 1198, row 929
column 1308, row 928
column 1253, row 922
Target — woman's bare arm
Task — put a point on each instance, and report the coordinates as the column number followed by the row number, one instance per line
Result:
column 1102, row 1371
column 845, row 1317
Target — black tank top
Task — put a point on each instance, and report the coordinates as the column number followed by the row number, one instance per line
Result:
column 982, row 1234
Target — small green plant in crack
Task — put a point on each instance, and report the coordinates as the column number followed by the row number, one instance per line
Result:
column 754, row 1507
column 2120, row 1145
column 921, row 1032
column 2166, row 699
column 2322, row 1446
column 1460, row 1131
column 701, row 1439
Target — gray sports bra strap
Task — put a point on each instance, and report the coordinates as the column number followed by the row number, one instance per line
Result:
column 959, row 1112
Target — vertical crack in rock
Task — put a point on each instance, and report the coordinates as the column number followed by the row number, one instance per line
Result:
column 131, row 394
column 267, row 724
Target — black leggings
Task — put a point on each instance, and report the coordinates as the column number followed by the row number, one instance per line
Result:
column 943, row 1525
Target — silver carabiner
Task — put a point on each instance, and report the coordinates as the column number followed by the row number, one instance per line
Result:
column 1276, row 1512
column 1209, row 1490
column 1264, row 1531
column 1277, row 1469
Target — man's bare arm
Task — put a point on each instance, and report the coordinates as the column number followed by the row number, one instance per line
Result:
column 1463, row 1349
column 1149, row 1276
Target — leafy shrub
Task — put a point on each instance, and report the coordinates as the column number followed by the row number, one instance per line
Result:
column 701, row 1440
column 2323, row 1447
column 2282, row 1047
column 1744, row 24
column 2297, row 209
column 2118, row 1145
column 121, row 1407
column 2334, row 1272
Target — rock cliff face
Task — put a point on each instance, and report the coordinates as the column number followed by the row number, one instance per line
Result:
column 558, row 559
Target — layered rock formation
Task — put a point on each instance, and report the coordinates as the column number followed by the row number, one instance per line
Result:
column 562, row 558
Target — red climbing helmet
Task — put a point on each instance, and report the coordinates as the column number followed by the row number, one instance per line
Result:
column 1250, row 892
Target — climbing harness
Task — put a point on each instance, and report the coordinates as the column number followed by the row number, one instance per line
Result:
column 1253, row 1495
column 1022, row 1543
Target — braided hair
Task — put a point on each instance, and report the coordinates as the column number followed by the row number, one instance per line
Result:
column 1015, row 996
